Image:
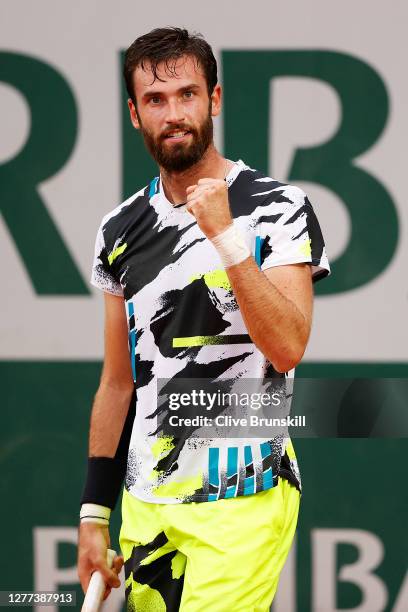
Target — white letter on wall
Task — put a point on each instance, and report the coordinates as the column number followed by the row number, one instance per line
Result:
column 360, row 573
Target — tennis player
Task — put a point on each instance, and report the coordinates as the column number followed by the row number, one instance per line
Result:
column 207, row 274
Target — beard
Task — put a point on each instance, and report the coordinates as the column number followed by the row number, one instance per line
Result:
column 181, row 156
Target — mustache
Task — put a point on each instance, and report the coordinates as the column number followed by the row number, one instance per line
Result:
column 178, row 126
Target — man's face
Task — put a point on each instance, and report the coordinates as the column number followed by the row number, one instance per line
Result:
column 175, row 113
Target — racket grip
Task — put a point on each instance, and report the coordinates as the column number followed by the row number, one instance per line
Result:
column 96, row 587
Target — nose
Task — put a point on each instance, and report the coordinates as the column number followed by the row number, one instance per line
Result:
column 175, row 111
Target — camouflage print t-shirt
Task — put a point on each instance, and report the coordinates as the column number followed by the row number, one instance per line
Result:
column 184, row 323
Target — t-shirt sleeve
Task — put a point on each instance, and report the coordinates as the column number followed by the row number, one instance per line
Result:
column 102, row 276
column 291, row 234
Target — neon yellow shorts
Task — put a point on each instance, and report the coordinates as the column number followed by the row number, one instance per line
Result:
column 222, row 556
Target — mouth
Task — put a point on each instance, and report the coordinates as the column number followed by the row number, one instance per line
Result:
column 177, row 135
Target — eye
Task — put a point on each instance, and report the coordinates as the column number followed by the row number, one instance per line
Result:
column 188, row 94
column 155, row 100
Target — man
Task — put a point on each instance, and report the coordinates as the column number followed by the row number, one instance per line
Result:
column 207, row 274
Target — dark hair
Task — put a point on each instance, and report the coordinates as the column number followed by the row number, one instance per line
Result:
column 167, row 45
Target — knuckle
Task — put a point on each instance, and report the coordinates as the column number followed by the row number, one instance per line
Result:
column 113, row 580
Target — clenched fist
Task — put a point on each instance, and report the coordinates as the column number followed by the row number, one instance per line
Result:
column 208, row 202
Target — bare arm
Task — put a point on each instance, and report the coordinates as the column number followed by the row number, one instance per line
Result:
column 276, row 306
column 109, row 413
column 116, row 386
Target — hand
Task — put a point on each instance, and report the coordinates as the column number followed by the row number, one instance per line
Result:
column 208, row 202
column 93, row 543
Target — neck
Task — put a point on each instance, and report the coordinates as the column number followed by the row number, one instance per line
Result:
column 211, row 165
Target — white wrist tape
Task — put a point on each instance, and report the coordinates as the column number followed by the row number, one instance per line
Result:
column 94, row 513
column 231, row 247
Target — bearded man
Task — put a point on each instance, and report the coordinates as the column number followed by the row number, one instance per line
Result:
column 207, row 274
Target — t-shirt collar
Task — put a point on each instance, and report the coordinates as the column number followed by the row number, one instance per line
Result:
column 230, row 178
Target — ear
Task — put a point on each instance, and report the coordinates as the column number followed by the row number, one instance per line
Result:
column 133, row 114
column 216, row 100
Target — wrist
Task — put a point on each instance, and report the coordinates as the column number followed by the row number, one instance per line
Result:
column 231, row 246
column 95, row 513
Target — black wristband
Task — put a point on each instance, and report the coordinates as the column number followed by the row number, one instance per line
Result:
column 104, row 481
column 105, row 475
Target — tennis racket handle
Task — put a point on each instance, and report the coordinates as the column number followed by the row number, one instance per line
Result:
column 96, row 587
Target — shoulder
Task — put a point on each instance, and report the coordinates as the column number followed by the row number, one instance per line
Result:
column 115, row 223
column 121, row 210
column 252, row 190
